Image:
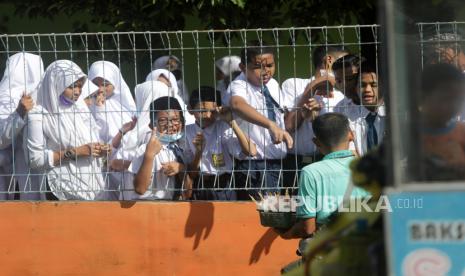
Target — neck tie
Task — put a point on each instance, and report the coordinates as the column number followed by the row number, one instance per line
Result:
column 372, row 136
column 270, row 104
column 177, row 151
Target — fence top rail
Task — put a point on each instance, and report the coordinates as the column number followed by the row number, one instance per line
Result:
column 195, row 31
column 440, row 23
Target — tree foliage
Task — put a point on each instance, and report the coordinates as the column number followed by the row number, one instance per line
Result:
column 156, row 15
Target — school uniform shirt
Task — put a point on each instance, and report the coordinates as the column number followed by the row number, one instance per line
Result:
column 161, row 186
column 345, row 105
column 53, row 127
column 119, row 107
column 293, row 90
column 220, row 146
column 357, row 119
column 23, row 72
column 266, row 149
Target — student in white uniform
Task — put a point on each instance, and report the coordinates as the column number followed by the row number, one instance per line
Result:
column 212, row 143
column 174, row 65
column 113, row 109
column 146, row 93
column 62, row 137
column 158, row 83
column 367, row 119
column 255, row 100
column 23, row 72
column 158, row 167
column 306, row 98
column 226, row 70
column 169, row 79
column 117, row 105
column 346, row 72
column 155, row 87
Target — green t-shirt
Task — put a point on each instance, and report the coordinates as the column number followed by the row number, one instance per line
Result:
column 322, row 186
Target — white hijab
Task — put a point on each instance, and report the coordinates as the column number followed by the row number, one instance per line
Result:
column 163, row 63
column 228, row 65
column 155, row 74
column 120, row 107
column 88, row 88
column 67, row 126
column 146, row 93
column 23, row 73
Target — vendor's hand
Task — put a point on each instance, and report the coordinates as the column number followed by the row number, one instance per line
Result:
column 25, row 105
column 281, row 232
column 172, row 168
column 198, row 142
column 279, row 135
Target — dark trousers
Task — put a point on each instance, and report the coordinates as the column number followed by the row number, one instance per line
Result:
column 258, row 176
column 209, row 187
column 293, row 165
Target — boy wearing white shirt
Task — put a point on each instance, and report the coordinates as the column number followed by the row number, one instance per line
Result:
column 307, row 98
column 213, row 141
column 346, row 73
column 255, row 99
column 158, row 167
column 367, row 119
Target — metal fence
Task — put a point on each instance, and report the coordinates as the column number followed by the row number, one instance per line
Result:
column 87, row 149
column 441, row 42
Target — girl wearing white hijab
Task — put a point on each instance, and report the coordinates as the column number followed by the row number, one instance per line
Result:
column 118, row 106
column 63, row 137
column 168, row 78
column 17, row 96
column 174, row 65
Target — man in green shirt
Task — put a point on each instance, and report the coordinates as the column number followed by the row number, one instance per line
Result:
column 322, row 185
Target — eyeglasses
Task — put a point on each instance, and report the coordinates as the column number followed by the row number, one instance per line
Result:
column 164, row 121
